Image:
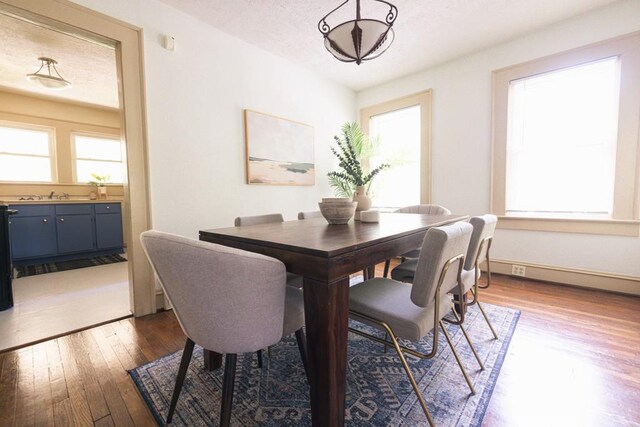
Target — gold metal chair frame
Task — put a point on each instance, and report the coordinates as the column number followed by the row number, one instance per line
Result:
column 434, row 348
column 474, row 290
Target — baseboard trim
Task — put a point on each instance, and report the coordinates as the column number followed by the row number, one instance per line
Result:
column 583, row 278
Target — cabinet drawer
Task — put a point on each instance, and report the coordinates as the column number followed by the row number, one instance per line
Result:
column 32, row 210
column 73, row 209
column 102, row 208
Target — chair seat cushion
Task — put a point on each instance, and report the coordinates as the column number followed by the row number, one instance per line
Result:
column 294, row 280
column 390, row 301
column 468, row 280
column 412, row 254
column 293, row 311
column 405, row 271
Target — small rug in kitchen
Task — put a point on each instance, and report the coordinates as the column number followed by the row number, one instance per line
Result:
column 52, row 267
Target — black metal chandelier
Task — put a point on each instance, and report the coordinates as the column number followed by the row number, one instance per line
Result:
column 359, row 39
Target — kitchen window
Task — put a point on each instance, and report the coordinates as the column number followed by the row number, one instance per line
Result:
column 26, row 153
column 99, row 155
column 565, row 141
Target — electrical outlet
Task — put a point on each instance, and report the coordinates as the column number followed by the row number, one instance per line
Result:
column 518, row 270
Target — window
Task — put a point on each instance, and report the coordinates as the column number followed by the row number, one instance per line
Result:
column 565, row 141
column 25, row 153
column 100, row 155
column 403, row 129
column 561, row 142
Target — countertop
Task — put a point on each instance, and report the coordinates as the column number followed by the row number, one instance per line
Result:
column 55, row 201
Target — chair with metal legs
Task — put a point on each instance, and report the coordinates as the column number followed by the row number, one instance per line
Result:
column 227, row 300
column 402, row 310
column 479, row 247
column 484, row 228
column 426, row 209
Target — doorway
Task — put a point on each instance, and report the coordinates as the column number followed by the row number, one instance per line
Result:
column 69, row 20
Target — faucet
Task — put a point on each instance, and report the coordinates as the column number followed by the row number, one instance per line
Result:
column 51, row 195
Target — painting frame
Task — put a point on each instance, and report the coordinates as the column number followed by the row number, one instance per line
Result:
column 278, row 151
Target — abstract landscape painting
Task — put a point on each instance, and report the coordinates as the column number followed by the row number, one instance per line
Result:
column 279, row 151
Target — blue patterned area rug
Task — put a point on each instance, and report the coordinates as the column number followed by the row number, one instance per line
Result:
column 378, row 391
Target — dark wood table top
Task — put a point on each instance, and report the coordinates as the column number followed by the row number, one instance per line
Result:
column 316, row 237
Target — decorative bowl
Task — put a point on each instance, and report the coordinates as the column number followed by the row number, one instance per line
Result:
column 338, row 213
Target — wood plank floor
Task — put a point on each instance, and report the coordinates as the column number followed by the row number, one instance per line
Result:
column 573, row 361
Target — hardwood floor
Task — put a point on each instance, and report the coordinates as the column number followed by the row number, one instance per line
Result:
column 573, row 361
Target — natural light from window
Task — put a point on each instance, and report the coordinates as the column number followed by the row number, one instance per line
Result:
column 399, row 133
column 25, row 155
column 100, row 156
column 561, row 142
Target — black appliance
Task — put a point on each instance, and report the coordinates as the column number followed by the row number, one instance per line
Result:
column 6, row 268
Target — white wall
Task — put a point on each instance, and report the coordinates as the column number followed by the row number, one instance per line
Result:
column 195, row 101
column 462, row 138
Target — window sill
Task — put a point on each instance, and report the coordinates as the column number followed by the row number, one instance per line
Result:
column 611, row 227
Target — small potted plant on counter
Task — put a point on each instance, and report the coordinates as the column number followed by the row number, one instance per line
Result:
column 100, row 181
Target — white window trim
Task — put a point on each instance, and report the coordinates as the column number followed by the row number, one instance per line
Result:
column 626, row 206
column 75, row 158
column 52, row 150
column 422, row 99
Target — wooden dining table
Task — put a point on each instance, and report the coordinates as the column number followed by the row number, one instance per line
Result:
column 326, row 255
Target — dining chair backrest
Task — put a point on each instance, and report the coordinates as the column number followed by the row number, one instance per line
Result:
column 440, row 245
column 483, row 227
column 226, row 300
column 258, row 219
column 425, row 210
column 309, row 215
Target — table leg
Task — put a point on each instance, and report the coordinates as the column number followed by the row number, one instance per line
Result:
column 326, row 315
column 212, row 360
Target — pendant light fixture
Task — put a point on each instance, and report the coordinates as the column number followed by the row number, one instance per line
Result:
column 359, row 39
column 45, row 77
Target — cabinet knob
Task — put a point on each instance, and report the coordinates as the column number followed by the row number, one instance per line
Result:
column 108, row 207
column 61, row 219
column 45, row 220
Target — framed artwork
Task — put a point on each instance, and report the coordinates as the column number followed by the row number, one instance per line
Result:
column 279, row 151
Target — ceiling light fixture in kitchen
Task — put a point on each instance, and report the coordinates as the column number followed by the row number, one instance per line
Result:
column 359, row 39
column 46, row 78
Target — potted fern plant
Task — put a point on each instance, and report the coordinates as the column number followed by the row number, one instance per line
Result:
column 353, row 179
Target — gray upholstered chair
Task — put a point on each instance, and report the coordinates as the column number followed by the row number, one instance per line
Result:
column 484, row 228
column 292, row 279
column 309, row 215
column 212, row 289
column 478, row 252
column 426, row 209
column 411, row 312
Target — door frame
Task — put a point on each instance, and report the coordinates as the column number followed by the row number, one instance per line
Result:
column 128, row 44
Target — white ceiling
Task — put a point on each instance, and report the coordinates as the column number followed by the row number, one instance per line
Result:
column 428, row 32
column 90, row 67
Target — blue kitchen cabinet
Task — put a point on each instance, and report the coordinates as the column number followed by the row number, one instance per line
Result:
column 37, row 236
column 75, row 229
column 75, row 233
column 108, row 226
column 55, row 232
